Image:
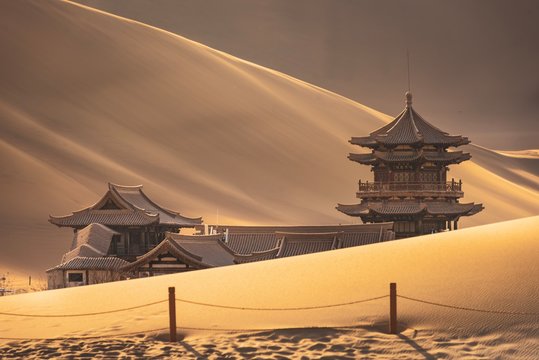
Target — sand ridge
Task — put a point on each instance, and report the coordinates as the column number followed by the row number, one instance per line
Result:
column 483, row 276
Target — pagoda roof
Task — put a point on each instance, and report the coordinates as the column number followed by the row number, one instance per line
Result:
column 124, row 206
column 410, row 208
column 409, row 128
column 410, row 156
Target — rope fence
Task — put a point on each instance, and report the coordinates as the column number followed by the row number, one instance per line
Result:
column 282, row 308
column 84, row 314
column 172, row 300
column 468, row 308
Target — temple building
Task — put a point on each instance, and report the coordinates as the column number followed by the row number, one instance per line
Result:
column 410, row 160
column 124, row 223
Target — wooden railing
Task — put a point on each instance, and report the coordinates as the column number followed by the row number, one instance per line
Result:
column 409, row 186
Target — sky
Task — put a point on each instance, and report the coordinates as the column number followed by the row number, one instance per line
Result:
column 473, row 63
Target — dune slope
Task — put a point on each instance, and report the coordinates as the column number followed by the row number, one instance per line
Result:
column 491, row 267
column 88, row 98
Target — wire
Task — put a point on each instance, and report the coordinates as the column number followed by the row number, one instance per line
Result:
column 469, row 309
column 84, row 314
column 280, row 309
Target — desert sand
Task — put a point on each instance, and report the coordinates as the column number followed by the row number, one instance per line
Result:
column 490, row 268
column 87, row 98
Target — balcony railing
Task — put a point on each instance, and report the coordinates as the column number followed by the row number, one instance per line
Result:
column 410, row 186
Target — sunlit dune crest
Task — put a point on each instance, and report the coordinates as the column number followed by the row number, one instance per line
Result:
column 99, row 98
column 489, row 268
column 526, row 154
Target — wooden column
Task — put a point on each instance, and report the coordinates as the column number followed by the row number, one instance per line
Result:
column 393, row 325
column 172, row 312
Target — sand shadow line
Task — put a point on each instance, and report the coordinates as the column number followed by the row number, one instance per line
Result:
column 192, row 350
column 417, row 347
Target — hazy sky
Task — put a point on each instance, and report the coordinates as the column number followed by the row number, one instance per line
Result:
column 474, row 63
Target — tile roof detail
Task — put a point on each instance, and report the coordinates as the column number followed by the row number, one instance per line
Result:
column 124, row 206
column 91, row 263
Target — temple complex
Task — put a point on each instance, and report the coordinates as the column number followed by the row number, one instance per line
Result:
column 125, row 223
column 410, row 160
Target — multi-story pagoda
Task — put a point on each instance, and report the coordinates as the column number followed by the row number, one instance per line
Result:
column 125, row 223
column 410, row 159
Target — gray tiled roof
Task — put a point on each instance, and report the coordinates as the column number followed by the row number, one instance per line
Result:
column 293, row 244
column 409, row 156
column 248, row 243
column 410, row 208
column 257, row 256
column 91, row 263
column 94, row 240
column 109, row 217
column 131, row 207
column 136, row 197
column 357, row 239
column 210, row 248
column 200, row 251
column 409, row 128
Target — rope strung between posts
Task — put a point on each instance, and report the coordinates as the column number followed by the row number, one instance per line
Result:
column 280, row 309
column 84, row 314
column 469, row 309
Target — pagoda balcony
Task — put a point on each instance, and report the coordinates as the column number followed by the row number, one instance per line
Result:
column 414, row 189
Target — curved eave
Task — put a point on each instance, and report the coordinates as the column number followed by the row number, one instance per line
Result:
column 105, row 217
column 364, row 159
column 476, row 209
column 448, row 157
column 364, row 141
column 257, row 256
column 353, row 210
column 454, row 209
column 179, row 220
column 183, row 220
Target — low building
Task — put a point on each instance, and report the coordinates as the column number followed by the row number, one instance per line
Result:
column 246, row 240
column 85, row 271
column 229, row 245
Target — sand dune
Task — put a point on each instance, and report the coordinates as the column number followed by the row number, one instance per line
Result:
column 467, row 76
column 491, row 267
column 88, row 98
column 526, row 154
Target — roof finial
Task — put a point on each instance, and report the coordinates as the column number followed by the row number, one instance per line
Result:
column 408, row 99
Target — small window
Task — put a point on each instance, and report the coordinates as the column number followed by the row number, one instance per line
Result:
column 75, row 277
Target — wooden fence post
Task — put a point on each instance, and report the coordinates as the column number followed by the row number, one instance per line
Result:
column 393, row 325
column 172, row 312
